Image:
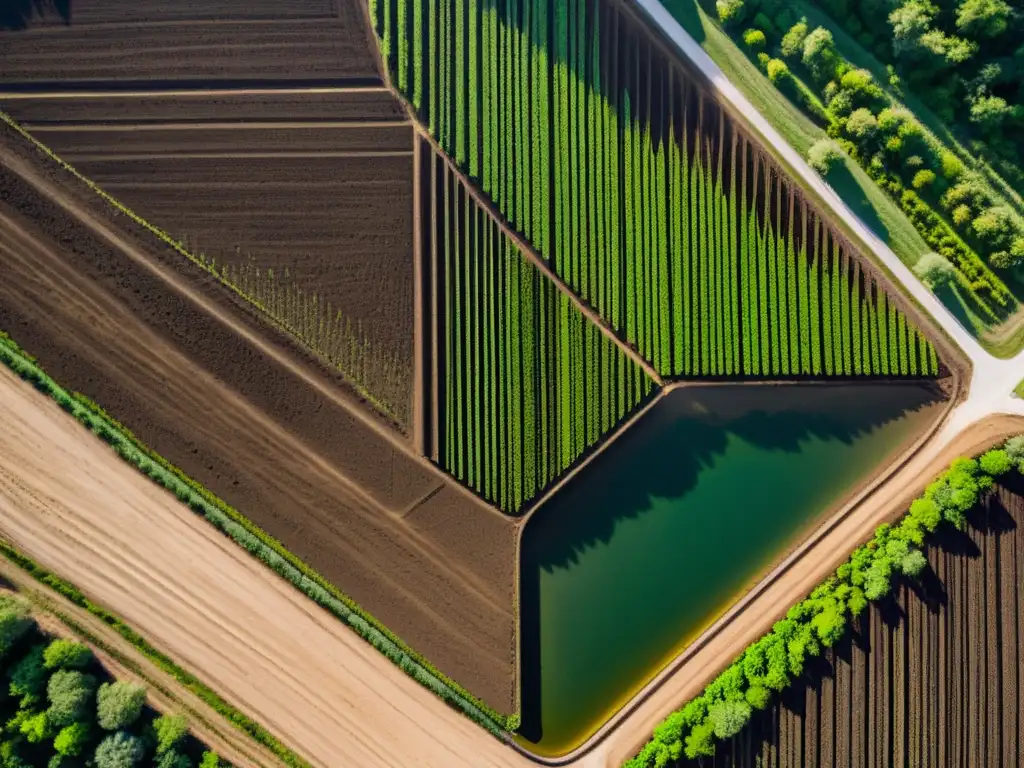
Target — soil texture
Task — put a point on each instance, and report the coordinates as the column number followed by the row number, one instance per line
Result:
column 209, row 387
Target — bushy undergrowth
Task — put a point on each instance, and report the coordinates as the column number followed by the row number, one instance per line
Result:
column 955, row 209
column 61, row 708
column 819, row 621
column 260, row 544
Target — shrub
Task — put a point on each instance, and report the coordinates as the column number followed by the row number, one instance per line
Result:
column 1003, row 260
column 823, row 155
column 730, row 12
column 862, row 86
column 209, row 760
column 890, row 120
column 923, row 178
column 119, row 750
column 72, row 740
column 28, row 677
column 1015, row 448
column 169, row 731
column 70, row 694
column 66, row 654
column 119, row 704
column 994, row 226
column 15, row 622
column 778, row 72
column 172, row 759
column 934, row 270
column 819, row 54
column 951, row 166
column 729, row 717
column 996, row 462
column 754, row 39
column 841, row 105
column 961, row 215
column 861, row 125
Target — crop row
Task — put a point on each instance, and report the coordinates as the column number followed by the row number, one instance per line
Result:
column 640, row 192
column 527, row 381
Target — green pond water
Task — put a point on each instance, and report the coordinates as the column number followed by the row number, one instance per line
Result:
column 665, row 530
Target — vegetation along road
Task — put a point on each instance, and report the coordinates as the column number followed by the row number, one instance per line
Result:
column 992, row 380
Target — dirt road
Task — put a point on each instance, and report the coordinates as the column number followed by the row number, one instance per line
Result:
column 71, row 503
column 75, row 506
column 212, row 392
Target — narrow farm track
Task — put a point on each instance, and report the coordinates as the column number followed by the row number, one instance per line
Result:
column 451, row 597
column 71, row 503
column 75, row 506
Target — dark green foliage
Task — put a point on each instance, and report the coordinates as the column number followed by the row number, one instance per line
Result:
column 15, row 622
column 821, row 619
column 169, row 731
column 172, row 759
column 529, row 382
column 645, row 222
column 70, row 694
column 28, row 677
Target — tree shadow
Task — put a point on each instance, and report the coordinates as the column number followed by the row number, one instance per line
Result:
column 19, row 14
column 665, row 453
column 664, row 456
column 995, row 516
column 842, row 180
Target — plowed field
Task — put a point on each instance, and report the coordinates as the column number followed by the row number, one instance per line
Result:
column 152, row 40
column 200, row 380
column 931, row 677
column 310, row 213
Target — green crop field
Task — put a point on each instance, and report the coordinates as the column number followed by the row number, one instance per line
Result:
column 526, row 382
column 652, row 205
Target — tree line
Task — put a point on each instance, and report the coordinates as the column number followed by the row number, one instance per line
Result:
column 60, row 708
column 960, row 211
column 775, row 661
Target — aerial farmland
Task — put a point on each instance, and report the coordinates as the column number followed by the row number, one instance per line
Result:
column 461, row 383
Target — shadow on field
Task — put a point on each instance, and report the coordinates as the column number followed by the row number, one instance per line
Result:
column 880, row 664
column 663, row 457
column 19, row 14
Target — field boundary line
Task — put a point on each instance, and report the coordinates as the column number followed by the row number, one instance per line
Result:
column 202, row 125
column 331, row 393
column 108, row 631
column 187, row 92
column 527, row 250
column 130, row 157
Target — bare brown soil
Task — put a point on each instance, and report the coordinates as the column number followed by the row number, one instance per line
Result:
column 322, row 205
column 156, row 40
column 197, row 378
column 930, row 677
column 71, row 503
column 372, row 104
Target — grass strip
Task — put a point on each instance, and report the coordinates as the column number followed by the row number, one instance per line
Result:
column 256, row 541
column 68, row 590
